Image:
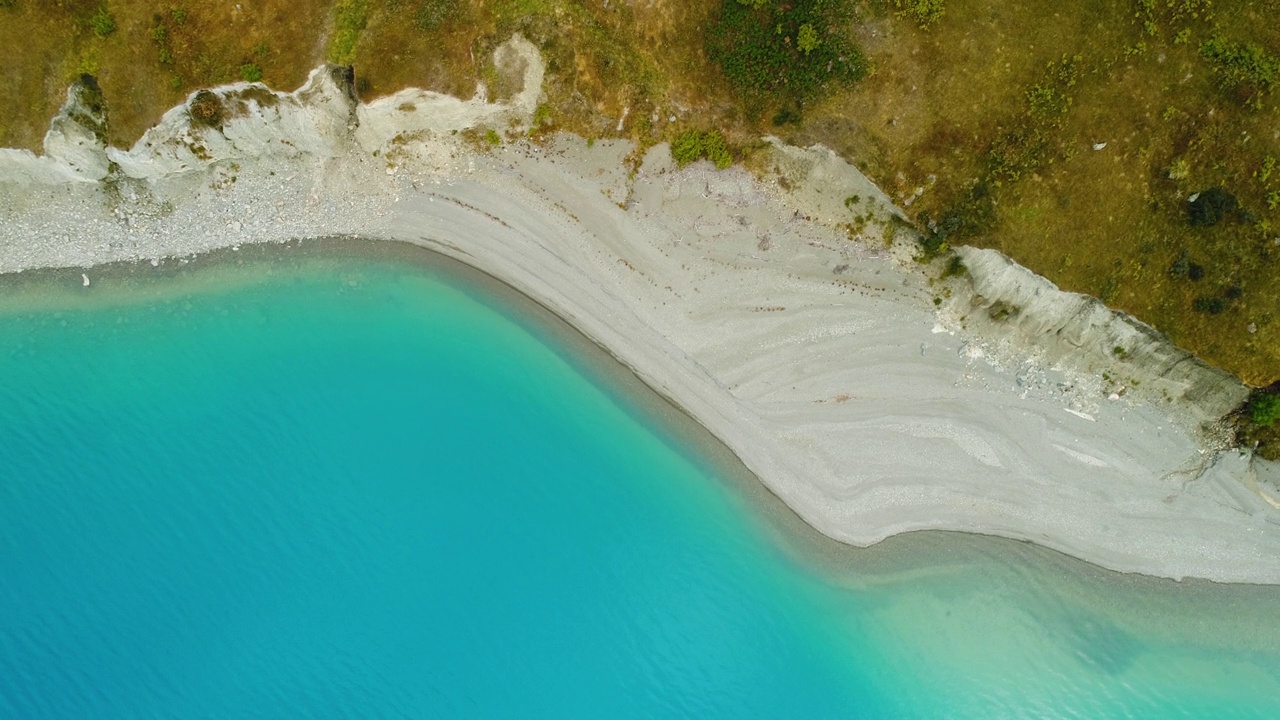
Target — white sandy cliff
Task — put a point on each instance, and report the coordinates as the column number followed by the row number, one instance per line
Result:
column 822, row 361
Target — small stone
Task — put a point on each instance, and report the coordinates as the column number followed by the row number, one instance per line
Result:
column 1099, row 146
column 1253, row 328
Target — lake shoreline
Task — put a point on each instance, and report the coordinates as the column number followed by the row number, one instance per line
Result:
column 872, row 400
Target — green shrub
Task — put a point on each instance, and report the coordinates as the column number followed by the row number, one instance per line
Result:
column 786, row 115
column 492, row 137
column 1264, row 410
column 770, row 58
column 251, row 72
column 693, row 145
column 1208, row 305
column 924, row 12
column 102, row 23
column 955, row 267
column 807, row 39
column 717, row 151
column 687, row 147
column 1209, row 207
column 974, row 214
column 1246, row 69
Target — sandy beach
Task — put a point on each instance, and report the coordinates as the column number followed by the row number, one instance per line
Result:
column 872, row 399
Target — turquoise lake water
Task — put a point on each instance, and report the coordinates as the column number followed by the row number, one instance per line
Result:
column 332, row 487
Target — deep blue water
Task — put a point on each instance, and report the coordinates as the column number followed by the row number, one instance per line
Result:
column 360, row 489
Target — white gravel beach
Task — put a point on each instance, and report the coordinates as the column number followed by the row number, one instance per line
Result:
column 870, row 398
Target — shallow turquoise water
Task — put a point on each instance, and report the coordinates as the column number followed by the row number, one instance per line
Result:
column 360, row 488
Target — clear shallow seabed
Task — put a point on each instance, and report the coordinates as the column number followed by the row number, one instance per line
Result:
column 330, row 487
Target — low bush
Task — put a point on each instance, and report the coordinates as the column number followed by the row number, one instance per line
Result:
column 924, row 12
column 693, row 145
column 974, row 214
column 102, row 23
column 251, row 72
column 1184, row 269
column 1209, row 305
column 1264, row 409
column 783, row 53
column 1208, row 207
column 1257, row 423
column 1245, row 69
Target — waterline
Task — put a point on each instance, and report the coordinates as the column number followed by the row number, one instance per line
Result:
column 310, row 417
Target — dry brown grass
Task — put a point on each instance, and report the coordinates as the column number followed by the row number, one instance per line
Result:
column 1110, row 222
column 207, row 41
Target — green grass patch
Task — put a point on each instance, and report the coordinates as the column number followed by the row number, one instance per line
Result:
column 349, row 20
column 1246, row 70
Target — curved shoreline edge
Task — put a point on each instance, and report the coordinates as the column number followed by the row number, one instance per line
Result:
column 822, row 361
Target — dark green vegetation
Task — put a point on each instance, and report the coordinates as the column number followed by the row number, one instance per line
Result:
column 693, row 145
column 784, row 54
column 923, row 12
column 1264, row 409
column 1258, row 423
column 1245, row 70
